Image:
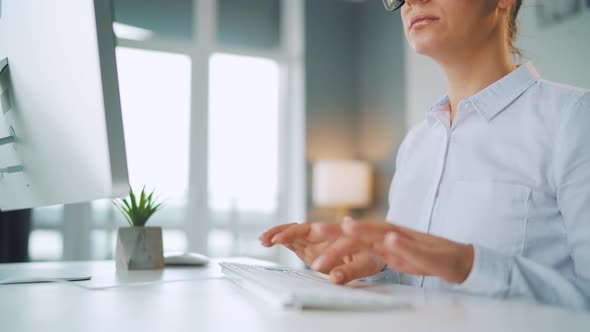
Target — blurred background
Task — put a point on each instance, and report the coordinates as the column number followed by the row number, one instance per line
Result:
column 244, row 114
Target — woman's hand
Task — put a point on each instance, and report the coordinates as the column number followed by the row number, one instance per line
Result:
column 304, row 240
column 308, row 241
column 403, row 249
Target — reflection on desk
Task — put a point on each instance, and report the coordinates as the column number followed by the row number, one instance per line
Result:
column 202, row 299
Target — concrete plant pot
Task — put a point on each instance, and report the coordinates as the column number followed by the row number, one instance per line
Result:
column 139, row 248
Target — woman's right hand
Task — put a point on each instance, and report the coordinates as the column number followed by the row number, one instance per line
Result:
column 308, row 241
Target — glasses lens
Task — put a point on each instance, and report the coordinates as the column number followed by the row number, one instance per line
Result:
column 392, row 5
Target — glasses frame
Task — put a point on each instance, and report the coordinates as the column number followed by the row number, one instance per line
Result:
column 389, row 9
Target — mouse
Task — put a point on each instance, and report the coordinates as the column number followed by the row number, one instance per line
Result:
column 185, row 259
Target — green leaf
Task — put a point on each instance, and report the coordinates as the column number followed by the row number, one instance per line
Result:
column 123, row 212
column 133, row 200
column 150, row 197
column 138, row 213
column 142, row 199
column 124, row 200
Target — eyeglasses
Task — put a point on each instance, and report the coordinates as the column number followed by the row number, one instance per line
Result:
column 391, row 5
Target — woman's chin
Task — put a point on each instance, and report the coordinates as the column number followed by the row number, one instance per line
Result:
column 426, row 40
column 422, row 49
column 426, row 47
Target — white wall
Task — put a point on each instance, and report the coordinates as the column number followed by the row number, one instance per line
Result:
column 381, row 96
column 331, row 78
column 560, row 51
column 355, row 91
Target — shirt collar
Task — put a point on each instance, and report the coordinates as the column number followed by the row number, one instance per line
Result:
column 441, row 105
column 496, row 97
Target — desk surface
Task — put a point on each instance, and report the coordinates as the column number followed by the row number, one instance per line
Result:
column 200, row 299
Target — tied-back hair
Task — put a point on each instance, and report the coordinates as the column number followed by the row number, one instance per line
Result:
column 513, row 28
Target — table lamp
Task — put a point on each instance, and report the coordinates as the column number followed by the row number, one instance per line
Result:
column 341, row 185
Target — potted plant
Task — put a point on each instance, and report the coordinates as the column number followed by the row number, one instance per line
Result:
column 139, row 247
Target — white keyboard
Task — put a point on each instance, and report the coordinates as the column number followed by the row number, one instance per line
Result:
column 301, row 290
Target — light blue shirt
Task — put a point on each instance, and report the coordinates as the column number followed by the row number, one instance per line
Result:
column 510, row 176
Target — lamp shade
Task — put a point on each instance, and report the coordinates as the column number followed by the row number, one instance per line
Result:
column 341, row 183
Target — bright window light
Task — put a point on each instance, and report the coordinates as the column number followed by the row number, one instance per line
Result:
column 243, row 133
column 125, row 31
column 174, row 241
column 45, row 245
column 155, row 100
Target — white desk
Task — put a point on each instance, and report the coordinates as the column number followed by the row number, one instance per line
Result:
column 221, row 305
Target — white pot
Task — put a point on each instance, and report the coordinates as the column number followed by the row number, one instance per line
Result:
column 139, row 248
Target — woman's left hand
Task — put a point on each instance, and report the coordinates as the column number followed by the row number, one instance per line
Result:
column 404, row 250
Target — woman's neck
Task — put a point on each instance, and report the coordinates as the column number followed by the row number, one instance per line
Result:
column 474, row 71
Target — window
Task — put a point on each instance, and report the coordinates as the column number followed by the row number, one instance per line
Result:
column 243, row 144
column 155, row 104
column 243, row 133
column 45, row 245
column 46, row 241
column 155, row 101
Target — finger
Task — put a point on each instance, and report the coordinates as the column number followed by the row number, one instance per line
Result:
column 366, row 231
column 290, row 234
column 292, row 248
column 379, row 249
column 323, row 232
column 334, row 254
column 299, row 251
column 347, row 259
column 369, row 231
column 362, row 265
column 266, row 237
column 422, row 237
column 306, row 234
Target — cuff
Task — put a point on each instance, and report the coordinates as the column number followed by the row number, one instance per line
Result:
column 490, row 274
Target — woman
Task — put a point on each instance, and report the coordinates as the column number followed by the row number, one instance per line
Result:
column 491, row 193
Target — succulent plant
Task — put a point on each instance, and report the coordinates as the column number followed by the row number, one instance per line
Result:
column 137, row 213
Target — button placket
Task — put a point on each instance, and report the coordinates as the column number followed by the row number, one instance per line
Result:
column 444, row 120
column 436, row 185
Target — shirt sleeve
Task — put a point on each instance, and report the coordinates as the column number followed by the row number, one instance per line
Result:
column 497, row 275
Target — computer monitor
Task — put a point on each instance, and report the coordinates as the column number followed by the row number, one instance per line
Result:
column 61, row 130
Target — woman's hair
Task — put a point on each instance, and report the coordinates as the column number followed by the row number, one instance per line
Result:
column 513, row 28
